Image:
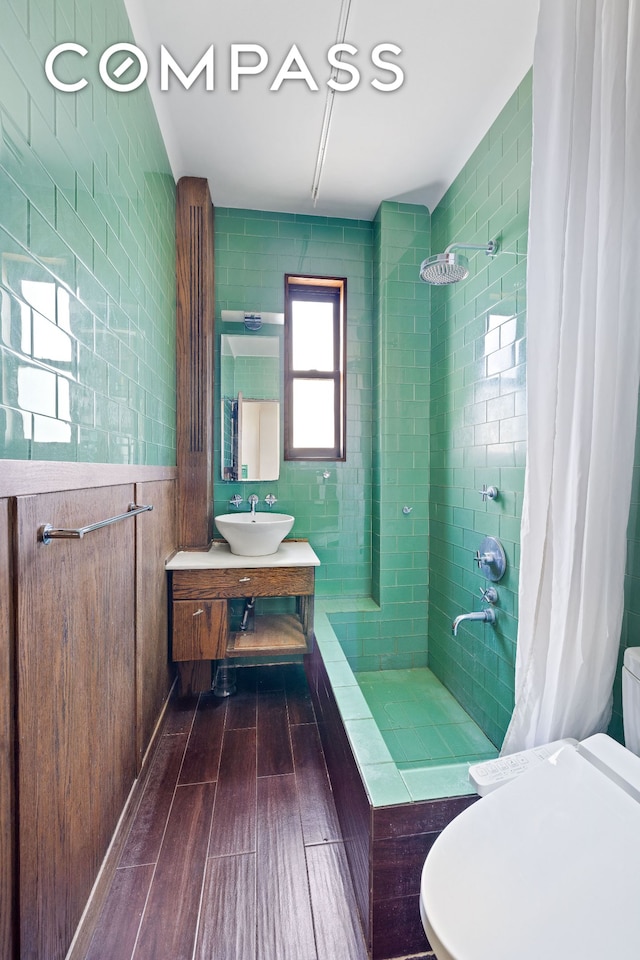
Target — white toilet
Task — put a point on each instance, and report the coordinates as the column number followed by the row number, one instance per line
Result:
column 547, row 865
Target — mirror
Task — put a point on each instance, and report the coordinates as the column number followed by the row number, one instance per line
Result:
column 250, row 407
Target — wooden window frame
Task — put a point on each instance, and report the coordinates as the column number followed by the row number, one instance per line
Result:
column 329, row 289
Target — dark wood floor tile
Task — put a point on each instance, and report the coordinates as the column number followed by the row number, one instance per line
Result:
column 180, row 715
column 202, row 757
column 126, row 900
column 241, row 707
column 274, row 743
column 298, row 696
column 335, row 915
column 168, row 928
column 284, row 922
column 147, row 829
column 233, row 828
column 228, row 916
column 317, row 807
column 270, row 677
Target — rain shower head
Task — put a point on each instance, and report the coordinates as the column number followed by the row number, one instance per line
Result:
column 449, row 267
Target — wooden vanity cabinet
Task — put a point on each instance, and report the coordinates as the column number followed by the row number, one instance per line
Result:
column 199, row 629
column 242, row 582
column 201, row 623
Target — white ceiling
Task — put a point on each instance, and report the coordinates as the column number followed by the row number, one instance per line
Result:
column 462, row 60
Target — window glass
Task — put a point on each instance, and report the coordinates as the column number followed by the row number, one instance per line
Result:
column 313, row 413
column 315, row 383
column 312, row 335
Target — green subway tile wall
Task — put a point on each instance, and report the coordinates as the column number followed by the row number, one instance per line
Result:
column 87, row 223
column 401, row 438
column 389, row 560
column 477, row 417
column 254, row 250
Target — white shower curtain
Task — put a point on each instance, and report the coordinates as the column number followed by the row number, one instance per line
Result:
column 583, row 366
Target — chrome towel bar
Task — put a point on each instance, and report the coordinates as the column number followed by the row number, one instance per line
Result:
column 47, row 533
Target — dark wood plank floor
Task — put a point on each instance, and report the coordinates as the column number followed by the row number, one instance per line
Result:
column 235, row 852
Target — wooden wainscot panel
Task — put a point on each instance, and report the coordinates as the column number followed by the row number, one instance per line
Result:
column 75, row 622
column 155, row 541
column 7, row 809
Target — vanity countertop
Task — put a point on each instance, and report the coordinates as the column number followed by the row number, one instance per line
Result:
column 290, row 553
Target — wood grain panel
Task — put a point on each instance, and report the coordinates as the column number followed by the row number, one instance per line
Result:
column 396, row 865
column 299, row 704
column 272, row 634
column 243, row 582
column 352, row 802
column 7, row 808
column 228, row 922
column 335, row 915
column 194, row 360
column 127, row 897
column 168, row 929
column 147, row 828
column 180, row 715
column 20, row 478
column 155, row 541
column 75, row 621
column 199, row 629
column 202, row 757
column 241, row 708
column 284, row 922
column 234, row 821
column 426, row 816
column 317, row 808
column 274, row 744
column 194, row 677
column 397, row 926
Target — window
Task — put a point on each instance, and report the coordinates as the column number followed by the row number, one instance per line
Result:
column 314, row 382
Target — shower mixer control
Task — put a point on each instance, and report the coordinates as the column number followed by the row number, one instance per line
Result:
column 488, row 493
column 489, row 595
column 491, row 559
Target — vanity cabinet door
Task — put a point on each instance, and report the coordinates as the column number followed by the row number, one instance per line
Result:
column 199, row 629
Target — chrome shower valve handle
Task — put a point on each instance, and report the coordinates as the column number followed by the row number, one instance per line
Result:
column 482, row 558
column 491, row 559
column 489, row 595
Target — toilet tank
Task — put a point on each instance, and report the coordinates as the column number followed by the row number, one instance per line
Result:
column 631, row 699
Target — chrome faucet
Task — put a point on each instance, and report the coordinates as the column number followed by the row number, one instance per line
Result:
column 236, row 500
column 488, row 616
column 253, row 499
column 270, row 500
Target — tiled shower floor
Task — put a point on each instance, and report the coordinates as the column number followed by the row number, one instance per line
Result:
column 420, row 721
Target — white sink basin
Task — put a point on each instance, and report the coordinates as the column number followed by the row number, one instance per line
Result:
column 254, row 536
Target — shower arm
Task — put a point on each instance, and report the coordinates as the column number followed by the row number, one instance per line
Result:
column 490, row 248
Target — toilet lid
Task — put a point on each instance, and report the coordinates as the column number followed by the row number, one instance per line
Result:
column 546, row 866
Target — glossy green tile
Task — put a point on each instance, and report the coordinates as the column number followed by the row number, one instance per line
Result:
column 99, row 241
column 487, row 386
column 352, row 704
column 385, row 785
column 368, row 744
column 447, row 780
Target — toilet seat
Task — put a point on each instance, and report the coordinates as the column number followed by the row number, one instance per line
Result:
column 545, row 866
